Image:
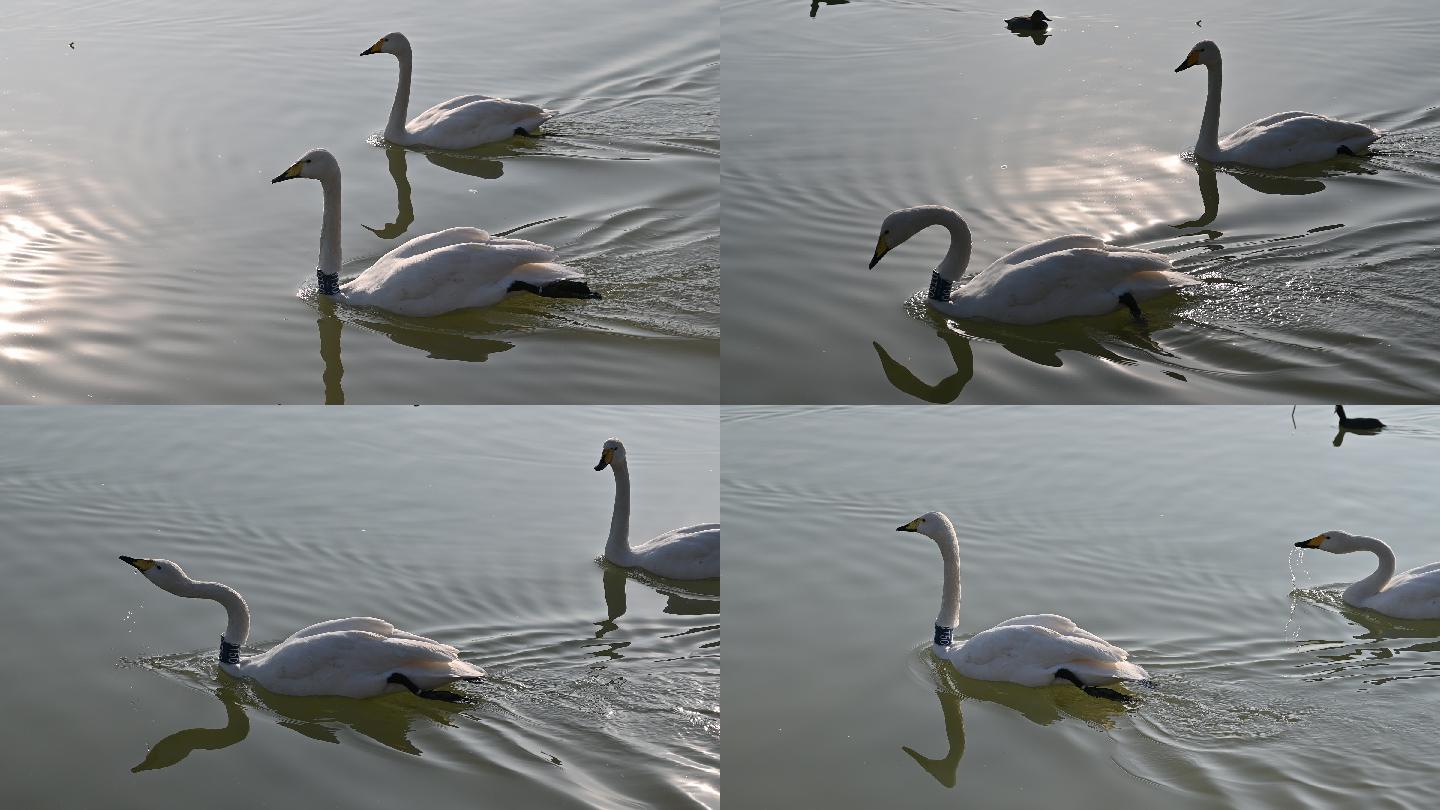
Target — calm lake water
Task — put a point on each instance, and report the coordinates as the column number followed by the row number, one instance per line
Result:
column 1168, row 531
column 1321, row 282
column 479, row 529
column 145, row 256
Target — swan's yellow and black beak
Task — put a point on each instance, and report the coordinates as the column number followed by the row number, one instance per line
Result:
column 1313, row 542
column 1190, row 61
column 606, row 457
column 140, row 565
column 882, row 246
column 290, row 173
column 373, row 48
column 912, row 526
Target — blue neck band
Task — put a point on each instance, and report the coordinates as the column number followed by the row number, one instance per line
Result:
column 230, row 653
column 329, row 285
column 944, row 636
column 939, row 288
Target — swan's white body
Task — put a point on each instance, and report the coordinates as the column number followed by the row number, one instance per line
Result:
column 347, row 657
column 1064, row 277
column 691, row 552
column 1026, row 650
column 457, row 268
column 1274, row 142
column 1413, row 594
column 461, row 122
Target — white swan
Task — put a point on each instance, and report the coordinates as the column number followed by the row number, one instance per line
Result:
column 358, row 658
column 461, row 122
column 692, row 552
column 1058, row 278
column 1283, row 139
column 1029, row 650
column 1413, row 594
column 456, row 268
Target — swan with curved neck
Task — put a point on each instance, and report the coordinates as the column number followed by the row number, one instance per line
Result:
column 1035, row 650
column 1413, row 594
column 1068, row 276
column 457, row 268
column 356, row 657
column 692, row 552
column 1284, row 139
column 460, row 123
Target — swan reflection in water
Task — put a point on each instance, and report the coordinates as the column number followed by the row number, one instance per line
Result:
column 1384, row 640
column 697, row 598
column 1042, row 706
column 474, row 165
column 387, row 720
column 1292, row 182
column 1040, row 344
column 430, row 335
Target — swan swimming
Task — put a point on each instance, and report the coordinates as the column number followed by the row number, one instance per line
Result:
column 457, row 268
column 1037, row 650
column 460, row 123
column 357, row 657
column 1058, row 278
column 1413, row 594
column 1283, row 139
column 692, row 552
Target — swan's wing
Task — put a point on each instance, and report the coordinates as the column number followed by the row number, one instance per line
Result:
column 438, row 239
column 692, row 552
column 468, row 121
column 355, row 663
column 447, row 270
column 1031, row 654
column 1076, row 281
column 379, row 627
column 1059, row 243
column 1290, row 138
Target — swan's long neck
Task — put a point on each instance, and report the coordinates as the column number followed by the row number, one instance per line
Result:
column 1208, row 144
column 1377, row 581
column 957, row 258
column 617, row 548
column 949, row 616
column 329, row 265
column 237, row 629
column 395, row 127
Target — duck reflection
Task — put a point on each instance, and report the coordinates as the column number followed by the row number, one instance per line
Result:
column 700, row 598
column 1042, row 706
column 387, row 720
column 1038, row 37
column 1040, row 345
column 815, row 4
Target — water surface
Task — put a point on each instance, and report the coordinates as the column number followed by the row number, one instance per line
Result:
column 145, row 257
column 1320, row 282
column 480, row 529
column 1167, row 530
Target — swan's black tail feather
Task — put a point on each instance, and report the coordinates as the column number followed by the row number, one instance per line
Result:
column 564, row 288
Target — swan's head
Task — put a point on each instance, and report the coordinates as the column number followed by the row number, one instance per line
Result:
column 612, row 453
column 1333, row 542
column 903, row 224
column 934, row 525
column 165, row 574
column 1204, row 53
column 316, row 164
column 394, row 42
